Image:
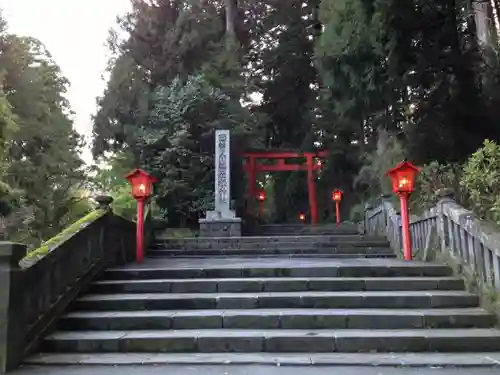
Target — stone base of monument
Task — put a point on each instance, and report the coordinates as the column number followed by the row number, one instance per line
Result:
column 220, row 228
column 218, row 225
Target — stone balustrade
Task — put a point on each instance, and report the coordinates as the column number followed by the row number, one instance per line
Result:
column 36, row 292
column 469, row 243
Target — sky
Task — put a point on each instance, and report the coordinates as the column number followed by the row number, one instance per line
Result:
column 75, row 33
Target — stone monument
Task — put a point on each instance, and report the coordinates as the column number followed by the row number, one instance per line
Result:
column 222, row 221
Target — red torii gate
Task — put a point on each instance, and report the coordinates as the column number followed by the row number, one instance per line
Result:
column 252, row 167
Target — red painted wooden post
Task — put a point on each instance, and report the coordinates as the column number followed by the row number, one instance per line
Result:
column 139, row 248
column 403, row 184
column 142, row 188
column 311, row 188
column 251, row 183
column 261, row 198
column 405, row 226
column 337, row 197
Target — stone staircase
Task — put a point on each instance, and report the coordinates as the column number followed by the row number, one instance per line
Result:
column 307, row 230
column 331, row 294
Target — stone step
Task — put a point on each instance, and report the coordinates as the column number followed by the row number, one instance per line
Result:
column 258, row 285
column 428, row 362
column 278, row 318
column 273, row 251
column 159, row 254
column 352, row 246
column 203, row 301
column 269, row 242
column 276, row 341
column 336, row 229
column 270, row 267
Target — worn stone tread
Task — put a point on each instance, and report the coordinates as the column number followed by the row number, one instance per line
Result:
column 281, row 279
column 309, row 299
column 291, row 256
column 235, row 267
column 340, row 333
column 282, row 249
column 277, row 319
column 278, row 284
column 474, row 311
column 318, row 359
column 278, row 262
column 276, row 340
column 353, row 294
column 279, row 238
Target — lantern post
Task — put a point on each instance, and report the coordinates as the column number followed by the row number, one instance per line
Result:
column 261, row 198
column 142, row 188
column 302, row 217
column 403, row 184
column 337, row 197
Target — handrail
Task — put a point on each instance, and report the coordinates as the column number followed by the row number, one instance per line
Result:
column 37, row 291
column 470, row 243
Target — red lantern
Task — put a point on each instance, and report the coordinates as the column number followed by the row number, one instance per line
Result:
column 142, row 183
column 403, row 184
column 403, row 177
column 302, row 217
column 142, row 188
column 262, row 196
column 337, row 195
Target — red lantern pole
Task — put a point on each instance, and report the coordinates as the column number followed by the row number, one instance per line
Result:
column 337, row 197
column 405, row 226
column 261, row 198
column 139, row 249
column 403, row 184
column 142, row 188
column 337, row 211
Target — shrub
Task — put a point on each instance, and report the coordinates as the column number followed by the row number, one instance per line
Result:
column 481, row 178
column 372, row 175
column 432, row 177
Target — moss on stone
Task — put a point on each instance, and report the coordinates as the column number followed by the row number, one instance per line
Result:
column 54, row 242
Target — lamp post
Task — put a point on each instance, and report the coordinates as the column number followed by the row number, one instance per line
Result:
column 261, row 198
column 403, row 184
column 142, row 188
column 337, row 197
column 302, row 217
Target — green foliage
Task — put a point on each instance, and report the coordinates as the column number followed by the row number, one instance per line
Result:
column 51, row 244
column 177, row 146
column 110, row 180
column 373, row 174
column 357, row 213
column 435, row 176
column 371, row 81
column 480, row 177
column 41, row 172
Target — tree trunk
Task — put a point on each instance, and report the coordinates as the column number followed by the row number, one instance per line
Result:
column 231, row 13
column 484, row 22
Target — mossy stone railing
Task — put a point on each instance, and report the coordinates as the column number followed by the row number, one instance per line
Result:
column 449, row 233
column 37, row 287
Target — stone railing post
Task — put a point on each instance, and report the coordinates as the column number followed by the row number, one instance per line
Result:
column 104, row 202
column 368, row 207
column 445, row 195
column 11, row 295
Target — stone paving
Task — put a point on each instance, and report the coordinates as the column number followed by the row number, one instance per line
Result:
column 276, row 262
column 247, row 370
column 421, row 360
